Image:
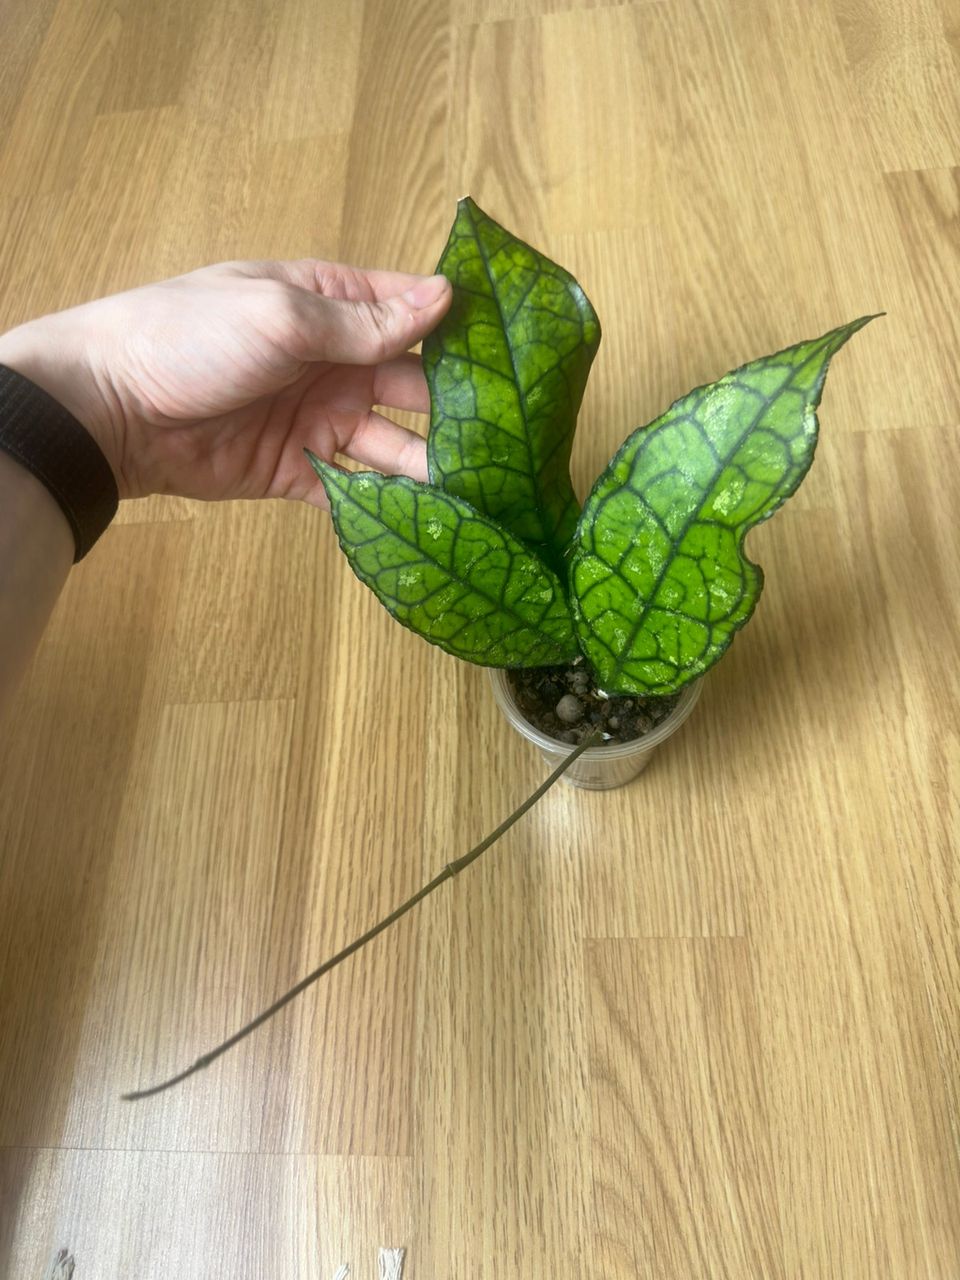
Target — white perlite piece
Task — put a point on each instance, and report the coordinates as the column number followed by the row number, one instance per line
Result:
column 391, row 1265
column 61, row 1268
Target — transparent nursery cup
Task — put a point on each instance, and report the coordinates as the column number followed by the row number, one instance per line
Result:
column 599, row 768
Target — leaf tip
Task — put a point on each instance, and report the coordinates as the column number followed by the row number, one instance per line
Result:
column 862, row 321
column 844, row 332
column 326, row 471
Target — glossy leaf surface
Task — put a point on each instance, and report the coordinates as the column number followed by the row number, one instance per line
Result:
column 659, row 580
column 448, row 572
column 507, row 368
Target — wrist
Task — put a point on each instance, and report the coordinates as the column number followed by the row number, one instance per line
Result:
column 32, row 518
column 36, row 550
column 52, row 354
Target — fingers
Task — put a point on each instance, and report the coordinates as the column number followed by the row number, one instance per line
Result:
column 400, row 384
column 389, row 448
column 343, row 314
column 365, row 332
column 373, row 441
column 333, row 279
column 387, row 284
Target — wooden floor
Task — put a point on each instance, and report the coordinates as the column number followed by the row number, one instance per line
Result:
column 706, row 1026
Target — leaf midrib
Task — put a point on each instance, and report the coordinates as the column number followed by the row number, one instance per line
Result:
column 548, row 532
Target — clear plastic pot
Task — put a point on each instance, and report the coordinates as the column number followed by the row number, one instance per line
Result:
column 599, row 768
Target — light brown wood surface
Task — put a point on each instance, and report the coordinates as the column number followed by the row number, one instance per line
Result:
column 704, row 1026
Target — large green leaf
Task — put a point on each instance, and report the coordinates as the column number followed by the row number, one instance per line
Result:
column 448, row 572
column 507, row 368
column 659, row 579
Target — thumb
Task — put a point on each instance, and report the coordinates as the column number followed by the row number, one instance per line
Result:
column 347, row 332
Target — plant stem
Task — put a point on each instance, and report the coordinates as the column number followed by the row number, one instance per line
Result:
column 449, row 871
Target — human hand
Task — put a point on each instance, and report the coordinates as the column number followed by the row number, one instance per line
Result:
column 211, row 384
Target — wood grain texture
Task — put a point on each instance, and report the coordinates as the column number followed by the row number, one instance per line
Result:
column 674, row 1070
column 708, row 1025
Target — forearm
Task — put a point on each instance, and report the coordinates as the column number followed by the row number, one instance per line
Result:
column 36, row 551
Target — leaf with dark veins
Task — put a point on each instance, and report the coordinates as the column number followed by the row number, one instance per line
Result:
column 447, row 572
column 659, row 580
column 507, row 368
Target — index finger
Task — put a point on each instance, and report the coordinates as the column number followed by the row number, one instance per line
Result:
column 339, row 280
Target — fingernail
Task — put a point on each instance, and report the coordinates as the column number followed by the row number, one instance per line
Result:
column 425, row 292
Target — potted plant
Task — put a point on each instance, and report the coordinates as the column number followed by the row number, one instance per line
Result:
column 598, row 620
column 597, row 623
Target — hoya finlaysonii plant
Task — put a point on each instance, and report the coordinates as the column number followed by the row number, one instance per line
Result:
column 495, row 561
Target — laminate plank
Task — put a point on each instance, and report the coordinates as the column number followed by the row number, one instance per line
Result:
column 496, row 136
column 395, row 211
column 926, row 205
column 502, row 1113
column 58, row 102
column 96, row 1200
column 904, row 60
column 189, row 932
column 153, row 55
column 26, row 23
column 313, row 72
column 679, row 1098
column 237, row 636
column 67, row 752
